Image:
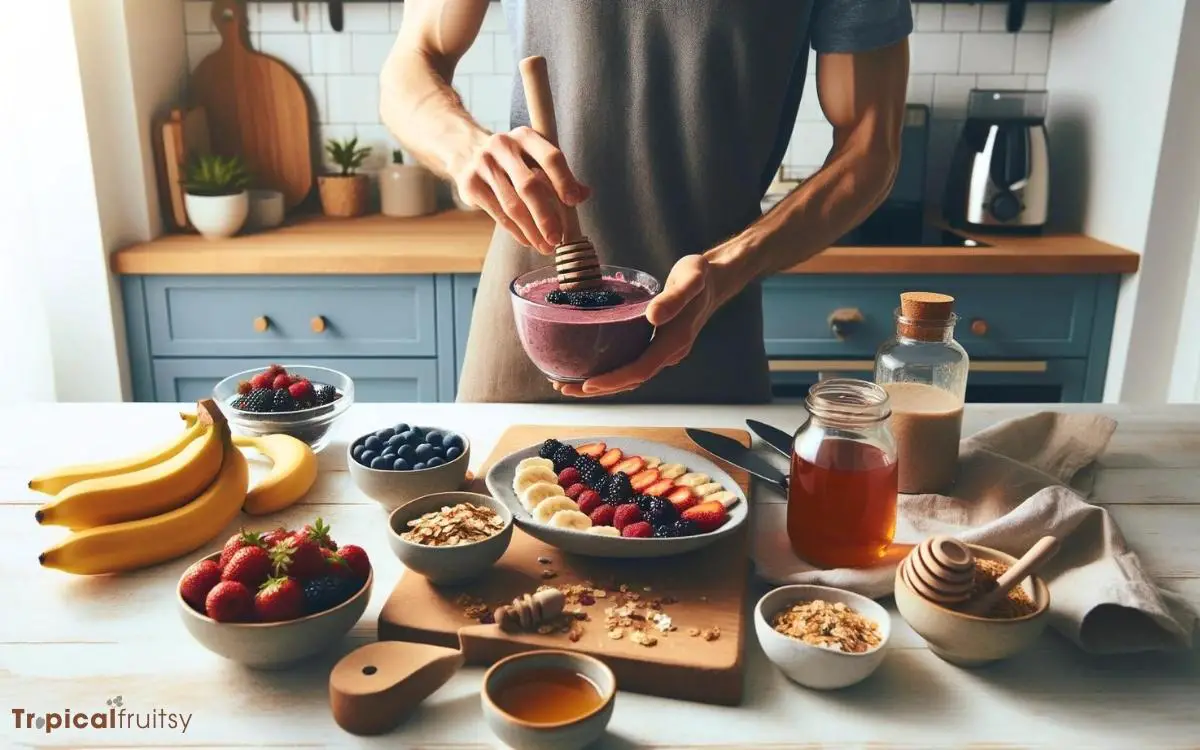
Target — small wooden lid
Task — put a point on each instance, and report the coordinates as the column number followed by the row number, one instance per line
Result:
column 373, row 688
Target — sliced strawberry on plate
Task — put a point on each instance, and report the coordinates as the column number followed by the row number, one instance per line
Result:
column 631, row 465
column 595, row 450
column 610, row 458
column 659, row 488
column 707, row 516
column 682, row 498
column 643, row 479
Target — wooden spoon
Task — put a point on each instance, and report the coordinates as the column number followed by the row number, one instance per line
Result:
column 575, row 259
column 1037, row 556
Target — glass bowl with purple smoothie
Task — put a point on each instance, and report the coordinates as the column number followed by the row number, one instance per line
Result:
column 573, row 336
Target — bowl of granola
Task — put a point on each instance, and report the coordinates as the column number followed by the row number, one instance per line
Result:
column 450, row 537
column 821, row 637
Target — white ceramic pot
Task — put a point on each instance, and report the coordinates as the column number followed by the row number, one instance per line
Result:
column 407, row 190
column 266, row 210
column 217, row 216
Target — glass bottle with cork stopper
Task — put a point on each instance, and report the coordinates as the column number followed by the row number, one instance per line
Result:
column 924, row 371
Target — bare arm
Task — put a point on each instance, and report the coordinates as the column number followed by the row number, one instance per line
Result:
column 863, row 97
column 519, row 178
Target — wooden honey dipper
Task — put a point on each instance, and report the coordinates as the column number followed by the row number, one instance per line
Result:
column 575, row 259
column 528, row 611
column 941, row 569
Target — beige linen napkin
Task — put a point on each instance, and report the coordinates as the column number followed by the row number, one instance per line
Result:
column 1017, row 482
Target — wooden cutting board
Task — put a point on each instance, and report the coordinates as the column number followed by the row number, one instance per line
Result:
column 709, row 585
column 184, row 134
column 256, row 108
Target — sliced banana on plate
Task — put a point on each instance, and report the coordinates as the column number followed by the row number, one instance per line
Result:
column 532, row 475
column 535, row 461
column 535, row 493
column 671, row 471
column 724, row 497
column 649, row 462
column 603, row 530
column 571, row 519
column 708, row 489
column 546, row 509
column 693, row 479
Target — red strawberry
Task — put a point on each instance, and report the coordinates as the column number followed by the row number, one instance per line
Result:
column 643, row 479
column 639, row 530
column 281, row 381
column 707, row 516
column 356, row 558
column 262, row 380
column 568, row 476
column 334, row 564
column 631, row 465
column 575, row 490
column 595, row 450
column 659, row 488
column 603, row 515
column 279, row 599
column 238, row 541
column 301, row 390
column 249, row 566
column 626, row 514
column 590, row 503
column 274, row 370
column 611, row 458
column 587, row 497
column 197, row 581
column 244, row 387
column 682, row 498
column 317, row 532
column 298, row 558
column 275, row 536
column 229, row 601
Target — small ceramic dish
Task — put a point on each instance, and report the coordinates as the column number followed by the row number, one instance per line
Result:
column 393, row 488
column 450, row 564
column 564, row 735
column 500, row 483
column 275, row 645
column 815, row 666
column 971, row 640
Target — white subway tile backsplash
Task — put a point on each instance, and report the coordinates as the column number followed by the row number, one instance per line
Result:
column 320, row 97
column 505, row 59
column 928, row 17
column 397, row 15
column 1038, row 17
column 278, row 17
column 1033, row 54
column 811, row 143
column 920, row 90
column 950, row 95
column 353, row 99
column 491, row 97
column 293, row 49
column 200, row 46
column 381, row 143
column 480, row 57
column 369, row 51
column 994, row 17
column 1035, row 83
column 495, row 20
column 934, row 53
column 197, row 17
column 987, row 53
column 332, row 53
column 374, row 17
column 1001, row 82
column 961, row 18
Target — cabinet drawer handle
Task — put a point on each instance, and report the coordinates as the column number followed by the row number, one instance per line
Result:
column 844, row 320
column 318, row 324
column 262, row 323
column 979, row 327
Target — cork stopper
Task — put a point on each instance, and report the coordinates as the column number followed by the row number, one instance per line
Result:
column 528, row 611
column 924, row 315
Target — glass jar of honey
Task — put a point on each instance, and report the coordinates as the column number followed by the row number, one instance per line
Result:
column 842, row 490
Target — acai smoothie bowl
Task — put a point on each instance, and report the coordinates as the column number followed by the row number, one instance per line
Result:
column 573, row 336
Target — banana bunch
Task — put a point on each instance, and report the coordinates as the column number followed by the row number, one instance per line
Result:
column 150, row 508
column 293, row 470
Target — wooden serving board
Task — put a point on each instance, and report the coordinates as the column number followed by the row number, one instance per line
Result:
column 184, row 136
column 709, row 585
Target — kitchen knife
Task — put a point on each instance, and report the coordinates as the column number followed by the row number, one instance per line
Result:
column 773, row 436
column 728, row 449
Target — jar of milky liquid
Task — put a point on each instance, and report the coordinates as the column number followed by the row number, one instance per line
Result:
column 924, row 371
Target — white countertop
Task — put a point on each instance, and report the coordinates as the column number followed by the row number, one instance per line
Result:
column 72, row 643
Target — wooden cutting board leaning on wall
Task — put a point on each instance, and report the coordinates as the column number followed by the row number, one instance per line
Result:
column 256, row 108
column 181, row 136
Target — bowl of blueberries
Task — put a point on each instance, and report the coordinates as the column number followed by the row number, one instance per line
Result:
column 403, row 462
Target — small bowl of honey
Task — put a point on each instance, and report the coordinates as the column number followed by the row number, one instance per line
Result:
column 548, row 700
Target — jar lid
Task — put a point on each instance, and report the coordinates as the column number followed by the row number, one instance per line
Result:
column 924, row 316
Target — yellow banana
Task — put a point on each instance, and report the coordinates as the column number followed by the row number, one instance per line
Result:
column 142, row 493
column 242, row 441
column 149, row 541
column 55, row 481
column 293, row 472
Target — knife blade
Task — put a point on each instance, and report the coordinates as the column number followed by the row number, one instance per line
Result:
column 728, row 449
column 772, row 436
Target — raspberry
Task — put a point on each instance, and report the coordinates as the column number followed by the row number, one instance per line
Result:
column 587, row 496
column 603, row 515
column 590, row 503
column 301, row 390
column 639, row 530
column 573, row 491
column 262, row 380
column 625, row 515
column 281, row 381
column 244, row 387
column 568, row 476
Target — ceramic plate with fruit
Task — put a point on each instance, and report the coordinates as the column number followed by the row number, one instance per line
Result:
column 609, row 496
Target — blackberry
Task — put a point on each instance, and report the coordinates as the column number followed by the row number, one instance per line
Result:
column 259, row 400
column 558, row 297
column 660, row 512
column 590, row 471
column 643, row 502
column 602, row 487
column 548, row 448
column 619, row 488
column 326, row 394
column 684, row 527
column 327, row 592
column 563, row 457
column 283, row 401
column 594, row 298
column 665, row 532
column 239, row 403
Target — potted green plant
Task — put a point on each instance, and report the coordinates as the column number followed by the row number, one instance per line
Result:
column 215, row 195
column 345, row 194
column 407, row 189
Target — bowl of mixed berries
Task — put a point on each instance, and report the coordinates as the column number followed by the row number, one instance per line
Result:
column 270, row 599
column 298, row 400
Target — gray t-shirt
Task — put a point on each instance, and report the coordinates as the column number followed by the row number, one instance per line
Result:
column 677, row 113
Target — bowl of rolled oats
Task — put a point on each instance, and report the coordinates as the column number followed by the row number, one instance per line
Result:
column 450, row 537
column 821, row 637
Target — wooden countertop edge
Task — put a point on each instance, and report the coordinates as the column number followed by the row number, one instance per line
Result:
column 456, row 242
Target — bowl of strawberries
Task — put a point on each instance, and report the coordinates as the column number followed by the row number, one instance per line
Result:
column 298, row 400
column 270, row 599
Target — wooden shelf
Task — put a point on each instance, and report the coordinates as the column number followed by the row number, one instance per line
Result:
column 457, row 241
